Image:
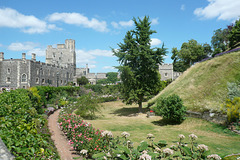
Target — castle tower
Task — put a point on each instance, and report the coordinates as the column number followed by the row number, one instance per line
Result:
column 64, row 55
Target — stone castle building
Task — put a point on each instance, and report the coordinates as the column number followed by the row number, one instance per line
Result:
column 166, row 71
column 58, row 70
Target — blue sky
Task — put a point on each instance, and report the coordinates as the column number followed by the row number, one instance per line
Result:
column 28, row 26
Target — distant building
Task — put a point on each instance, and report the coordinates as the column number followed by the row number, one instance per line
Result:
column 166, row 72
column 92, row 77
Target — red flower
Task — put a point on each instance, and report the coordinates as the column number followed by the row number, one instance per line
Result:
column 151, row 111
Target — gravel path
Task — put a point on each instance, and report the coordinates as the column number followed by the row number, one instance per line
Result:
column 60, row 141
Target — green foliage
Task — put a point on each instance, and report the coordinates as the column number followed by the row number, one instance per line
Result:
column 82, row 81
column 171, row 109
column 139, row 63
column 112, row 78
column 95, row 88
column 232, row 108
column 233, row 90
column 220, row 40
column 86, row 106
column 23, row 129
column 189, row 53
column 234, row 35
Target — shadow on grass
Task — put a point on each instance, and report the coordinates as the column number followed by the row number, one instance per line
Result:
column 128, row 111
column 163, row 122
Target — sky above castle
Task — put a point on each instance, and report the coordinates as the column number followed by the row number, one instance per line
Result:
column 28, row 26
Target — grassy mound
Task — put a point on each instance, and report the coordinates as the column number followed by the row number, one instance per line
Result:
column 204, row 85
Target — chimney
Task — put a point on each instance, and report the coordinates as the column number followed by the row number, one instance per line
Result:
column 1, row 56
column 34, row 57
column 24, row 56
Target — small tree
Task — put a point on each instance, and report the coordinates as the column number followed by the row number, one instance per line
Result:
column 139, row 63
column 82, row 81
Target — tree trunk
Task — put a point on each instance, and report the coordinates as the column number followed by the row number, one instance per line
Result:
column 140, row 107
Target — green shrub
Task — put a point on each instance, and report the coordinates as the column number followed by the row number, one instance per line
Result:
column 232, row 108
column 233, row 90
column 171, row 109
column 22, row 128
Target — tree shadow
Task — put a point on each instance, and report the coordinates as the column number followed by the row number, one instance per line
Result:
column 163, row 122
column 130, row 111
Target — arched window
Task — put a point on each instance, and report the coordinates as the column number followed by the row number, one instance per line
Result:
column 37, row 80
column 24, row 78
column 8, row 70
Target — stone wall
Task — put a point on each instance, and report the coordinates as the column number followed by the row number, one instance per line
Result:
column 4, row 153
column 215, row 117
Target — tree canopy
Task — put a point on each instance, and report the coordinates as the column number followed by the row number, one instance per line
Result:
column 139, row 63
column 189, row 53
column 82, row 81
column 112, row 77
column 234, row 35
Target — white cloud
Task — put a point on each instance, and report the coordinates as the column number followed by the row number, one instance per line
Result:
column 154, row 21
column 83, row 57
column 79, row 20
column 126, row 23
column 25, row 46
column 38, row 51
column 115, row 24
column 27, row 23
column 108, row 67
column 123, row 24
column 182, row 7
column 28, row 47
column 222, row 9
column 155, row 41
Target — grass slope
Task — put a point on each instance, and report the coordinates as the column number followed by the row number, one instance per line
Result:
column 204, row 85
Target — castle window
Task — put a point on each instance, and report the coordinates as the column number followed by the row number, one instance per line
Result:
column 43, row 81
column 59, row 58
column 8, row 79
column 8, row 70
column 24, row 78
column 24, row 87
column 54, row 55
column 37, row 71
column 37, row 80
column 165, row 74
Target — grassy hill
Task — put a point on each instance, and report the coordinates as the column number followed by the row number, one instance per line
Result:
column 204, row 85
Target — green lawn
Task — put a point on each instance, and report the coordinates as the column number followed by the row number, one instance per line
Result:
column 118, row 117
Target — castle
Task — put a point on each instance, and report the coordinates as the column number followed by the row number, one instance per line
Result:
column 58, row 70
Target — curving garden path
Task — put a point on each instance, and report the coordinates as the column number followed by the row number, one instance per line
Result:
column 60, row 141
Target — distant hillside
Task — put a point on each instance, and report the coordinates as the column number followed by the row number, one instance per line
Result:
column 204, row 85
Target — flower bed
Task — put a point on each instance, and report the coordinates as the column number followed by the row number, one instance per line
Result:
column 93, row 143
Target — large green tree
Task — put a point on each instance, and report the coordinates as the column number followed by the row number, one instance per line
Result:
column 234, row 35
column 139, row 63
column 189, row 53
column 219, row 40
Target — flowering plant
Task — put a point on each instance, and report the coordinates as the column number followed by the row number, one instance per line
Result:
column 96, row 144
